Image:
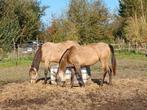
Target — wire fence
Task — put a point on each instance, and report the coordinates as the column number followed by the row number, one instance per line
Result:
column 18, row 53
column 136, row 48
column 25, row 51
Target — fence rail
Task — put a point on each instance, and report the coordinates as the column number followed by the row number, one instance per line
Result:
column 23, row 51
column 131, row 48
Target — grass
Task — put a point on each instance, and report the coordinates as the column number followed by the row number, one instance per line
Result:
column 14, row 73
column 130, row 55
column 132, row 63
column 14, row 62
column 13, row 70
column 7, row 62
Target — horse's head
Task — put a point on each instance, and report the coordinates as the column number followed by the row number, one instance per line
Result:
column 33, row 74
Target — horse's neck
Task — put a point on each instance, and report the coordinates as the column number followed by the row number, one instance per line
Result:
column 37, row 59
column 63, row 61
column 35, row 64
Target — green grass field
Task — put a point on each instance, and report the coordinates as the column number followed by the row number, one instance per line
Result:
column 7, row 62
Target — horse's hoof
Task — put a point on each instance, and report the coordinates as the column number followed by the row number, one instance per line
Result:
column 45, row 82
column 101, row 83
column 110, row 84
column 50, row 82
column 82, row 85
column 62, row 84
column 72, row 85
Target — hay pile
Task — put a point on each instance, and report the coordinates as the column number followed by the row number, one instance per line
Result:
column 125, row 94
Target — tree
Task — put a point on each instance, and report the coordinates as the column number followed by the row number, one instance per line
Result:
column 61, row 30
column 19, row 21
column 90, row 18
column 134, row 15
column 85, row 21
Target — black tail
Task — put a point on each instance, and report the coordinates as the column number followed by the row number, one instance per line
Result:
column 113, row 59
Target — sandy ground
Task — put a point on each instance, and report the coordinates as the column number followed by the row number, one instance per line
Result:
column 128, row 92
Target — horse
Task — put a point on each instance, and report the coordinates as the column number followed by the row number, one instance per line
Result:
column 48, row 53
column 87, row 55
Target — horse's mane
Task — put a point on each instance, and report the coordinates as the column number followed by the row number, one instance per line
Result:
column 64, row 55
column 37, row 58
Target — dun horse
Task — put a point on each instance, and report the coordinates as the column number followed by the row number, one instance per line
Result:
column 48, row 52
column 87, row 55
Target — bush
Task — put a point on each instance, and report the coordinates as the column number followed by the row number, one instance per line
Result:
column 1, row 53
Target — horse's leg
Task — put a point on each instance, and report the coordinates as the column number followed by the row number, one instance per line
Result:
column 110, row 76
column 72, row 77
column 104, row 75
column 79, row 74
column 105, row 68
column 49, row 72
column 46, row 65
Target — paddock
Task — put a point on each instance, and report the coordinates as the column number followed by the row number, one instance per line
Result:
column 129, row 89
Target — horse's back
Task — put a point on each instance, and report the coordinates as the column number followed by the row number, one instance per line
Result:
column 54, row 51
column 102, row 49
column 83, row 55
column 71, row 42
column 89, row 54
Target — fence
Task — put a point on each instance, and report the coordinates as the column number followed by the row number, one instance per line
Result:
column 18, row 53
column 131, row 47
column 26, row 50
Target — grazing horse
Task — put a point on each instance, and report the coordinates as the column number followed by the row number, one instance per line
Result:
column 48, row 53
column 87, row 55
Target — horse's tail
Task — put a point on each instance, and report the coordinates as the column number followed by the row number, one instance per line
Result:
column 37, row 58
column 113, row 59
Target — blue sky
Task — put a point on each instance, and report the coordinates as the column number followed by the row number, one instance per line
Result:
column 57, row 7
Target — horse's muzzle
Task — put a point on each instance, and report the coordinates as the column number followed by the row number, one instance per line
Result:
column 60, row 82
column 33, row 81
